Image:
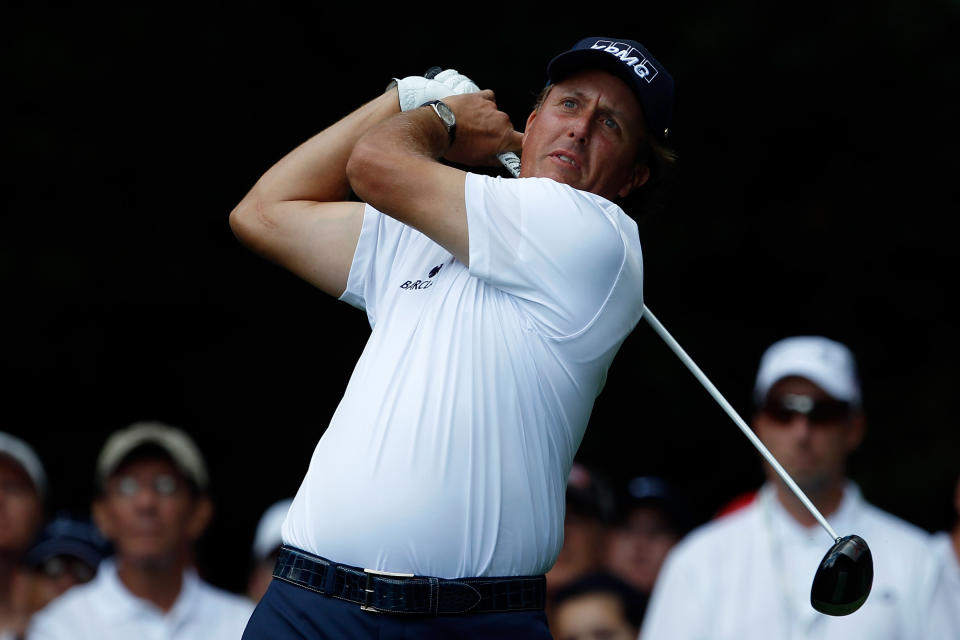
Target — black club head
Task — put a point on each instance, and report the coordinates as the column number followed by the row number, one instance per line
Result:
column 844, row 577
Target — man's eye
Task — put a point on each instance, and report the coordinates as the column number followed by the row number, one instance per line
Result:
column 610, row 123
column 569, row 104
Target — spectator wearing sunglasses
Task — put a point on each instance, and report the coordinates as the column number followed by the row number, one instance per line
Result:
column 152, row 505
column 748, row 575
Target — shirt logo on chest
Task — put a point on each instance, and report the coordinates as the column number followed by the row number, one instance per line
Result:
column 417, row 285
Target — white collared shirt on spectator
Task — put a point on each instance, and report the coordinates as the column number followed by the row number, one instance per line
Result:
column 104, row 609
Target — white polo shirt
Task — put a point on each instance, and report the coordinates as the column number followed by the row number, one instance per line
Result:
column 449, row 452
column 103, row 609
column 947, row 554
column 748, row 576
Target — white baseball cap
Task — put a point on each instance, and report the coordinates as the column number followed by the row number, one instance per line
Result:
column 267, row 537
column 175, row 442
column 827, row 363
column 23, row 454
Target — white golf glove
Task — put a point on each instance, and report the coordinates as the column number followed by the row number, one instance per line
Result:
column 415, row 90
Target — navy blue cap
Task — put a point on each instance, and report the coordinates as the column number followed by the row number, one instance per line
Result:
column 659, row 493
column 66, row 536
column 631, row 62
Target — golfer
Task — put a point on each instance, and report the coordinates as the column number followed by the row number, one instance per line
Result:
column 433, row 504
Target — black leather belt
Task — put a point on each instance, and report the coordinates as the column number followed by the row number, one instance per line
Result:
column 385, row 592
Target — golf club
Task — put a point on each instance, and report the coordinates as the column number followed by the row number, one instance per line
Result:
column 844, row 578
column 845, row 575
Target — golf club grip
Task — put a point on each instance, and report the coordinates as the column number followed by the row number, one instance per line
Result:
column 511, row 161
column 508, row 159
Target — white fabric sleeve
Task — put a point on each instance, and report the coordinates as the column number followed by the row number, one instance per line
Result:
column 558, row 250
column 377, row 247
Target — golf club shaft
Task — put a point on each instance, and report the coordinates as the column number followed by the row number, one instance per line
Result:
column 747, row 431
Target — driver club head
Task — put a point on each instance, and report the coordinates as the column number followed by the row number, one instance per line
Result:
column 844, row 577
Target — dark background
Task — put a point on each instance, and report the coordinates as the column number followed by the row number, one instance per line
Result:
column 814, row 195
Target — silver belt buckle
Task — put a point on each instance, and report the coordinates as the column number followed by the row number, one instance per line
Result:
column 367, row 590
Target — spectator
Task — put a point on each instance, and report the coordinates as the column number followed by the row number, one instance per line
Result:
column 589, row 508
column 23, row 484
column 652, row 517
column 67, row 553
column 152, row 504
column 266, row 547
column 748, row 575
column 597, row 606
column 947, row 548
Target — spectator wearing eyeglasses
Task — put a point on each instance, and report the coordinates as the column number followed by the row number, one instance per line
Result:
column 748, row 575
column 153, row 505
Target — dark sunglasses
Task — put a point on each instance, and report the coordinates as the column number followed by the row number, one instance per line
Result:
column 816, row 411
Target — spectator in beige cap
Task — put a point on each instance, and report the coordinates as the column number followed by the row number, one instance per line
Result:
column 22, row 487
column 152, row 504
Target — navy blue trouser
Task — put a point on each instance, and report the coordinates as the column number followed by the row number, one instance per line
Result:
column 289, row 612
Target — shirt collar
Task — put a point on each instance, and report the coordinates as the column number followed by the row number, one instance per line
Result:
column 120, row 604
column 844, row 519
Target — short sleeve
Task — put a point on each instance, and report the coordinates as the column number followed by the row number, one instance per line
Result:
column 557, row 250
column 380, row 237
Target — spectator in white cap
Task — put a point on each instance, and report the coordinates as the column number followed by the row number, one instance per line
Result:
column 23, row 484
column 152, row 504
column 748, row 575
column 266, row 546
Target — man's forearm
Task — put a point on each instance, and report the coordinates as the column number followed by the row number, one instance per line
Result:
column 316, row 170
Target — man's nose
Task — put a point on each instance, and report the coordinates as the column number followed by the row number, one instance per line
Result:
column 800, row 423
column 146, row 497
column 580, row 128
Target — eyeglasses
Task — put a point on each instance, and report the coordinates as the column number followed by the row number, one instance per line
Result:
column 162, row 484
column 817, row 411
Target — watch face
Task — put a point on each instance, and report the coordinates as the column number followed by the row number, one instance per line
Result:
column 445, row 114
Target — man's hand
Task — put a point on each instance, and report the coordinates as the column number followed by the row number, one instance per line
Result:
column 483, row 131
column 413, row 91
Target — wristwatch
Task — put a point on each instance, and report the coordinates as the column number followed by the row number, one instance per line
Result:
column 446, row 117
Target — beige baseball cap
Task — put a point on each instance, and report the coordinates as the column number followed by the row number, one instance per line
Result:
column 182, row 450
column 827, row 363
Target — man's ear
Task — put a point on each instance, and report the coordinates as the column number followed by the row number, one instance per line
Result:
column 637, row 178
column 101, row 518
column 856, row 432
column 530, row 119
column 201, row 517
